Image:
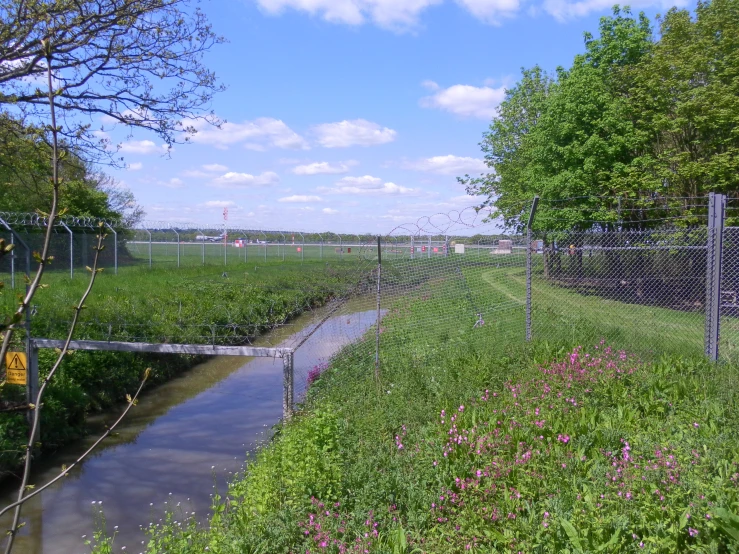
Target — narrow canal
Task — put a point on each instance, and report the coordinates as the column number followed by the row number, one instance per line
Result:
column 183, row 439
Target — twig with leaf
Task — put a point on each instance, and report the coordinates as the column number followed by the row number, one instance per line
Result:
column 43, row 259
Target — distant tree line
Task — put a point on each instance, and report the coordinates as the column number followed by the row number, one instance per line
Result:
column 25, row 186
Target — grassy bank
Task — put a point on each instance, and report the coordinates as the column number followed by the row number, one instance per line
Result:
column 475, row 441
column 188, row 305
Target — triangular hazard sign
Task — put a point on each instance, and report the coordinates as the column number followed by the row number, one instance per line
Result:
column 17, row 362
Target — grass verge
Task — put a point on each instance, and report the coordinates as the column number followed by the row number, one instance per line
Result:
column 476, row 442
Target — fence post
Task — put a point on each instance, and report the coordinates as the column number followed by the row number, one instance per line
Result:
column 203, row 244
column 71, row 249
column 147, row 230
column 379, row 316
column 288, row 371
column 13, row 236
column 532, row 213
column 84, row 248
column 413, row 249
column 714, row 248
column 115, row 248
column 178, row 245
column 12, row 261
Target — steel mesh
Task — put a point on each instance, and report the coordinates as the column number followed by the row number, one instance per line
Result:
column 729, row 298
column 644, row 290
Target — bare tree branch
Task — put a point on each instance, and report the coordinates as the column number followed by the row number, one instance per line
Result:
column 23, row 307
column 131, row 403
column 134, row 62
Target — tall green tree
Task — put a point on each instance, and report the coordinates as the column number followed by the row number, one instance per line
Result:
column 137, row 62
column 567, row 137
column 634, row 129
column 25, row 186
column 685, row 95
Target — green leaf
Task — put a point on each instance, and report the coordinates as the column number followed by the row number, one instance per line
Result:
column 571, row 533
column 612, row 542
column 727, row 522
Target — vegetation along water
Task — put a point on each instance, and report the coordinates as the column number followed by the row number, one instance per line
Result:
column 476, row 441
column 203, row 305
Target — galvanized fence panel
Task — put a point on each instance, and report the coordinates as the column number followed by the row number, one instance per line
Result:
column 729, row 297
column 645, row 289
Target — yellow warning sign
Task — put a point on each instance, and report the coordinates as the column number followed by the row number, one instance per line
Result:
column 15, row 365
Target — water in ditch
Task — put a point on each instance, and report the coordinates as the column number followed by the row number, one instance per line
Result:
column 183, row 439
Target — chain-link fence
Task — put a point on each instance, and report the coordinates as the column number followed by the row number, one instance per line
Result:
column 645, row 289
column 162, row 245
column 71, row 246
column 422, row 287
column 668, row 288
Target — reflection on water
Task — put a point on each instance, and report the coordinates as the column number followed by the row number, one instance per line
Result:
column 182, row 439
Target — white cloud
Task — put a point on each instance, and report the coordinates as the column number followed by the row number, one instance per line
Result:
column 142, row 147
column 562, row 10
column 254, row 147
column 134, row 166
column 491, row 11
column 207, row 171
column 196, row 173
column 366, row 181
column 393, row 14
column 256, row 135
column 464, row 201
column 358, row 132
column 329, row 211
column 215, row 167
column 323, row 168
column 368, row 186
column 431, row 85
column 237, row 180
column 101, row 135
column 219, row 204
column 401, row 15
column 300, row 198
column 466, row 100
column 449, row 165
column 173, row 183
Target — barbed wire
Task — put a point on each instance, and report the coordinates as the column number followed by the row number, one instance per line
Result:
column 29, row 219
column 444, row 223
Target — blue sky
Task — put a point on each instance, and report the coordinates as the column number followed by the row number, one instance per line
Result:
column 351, row 115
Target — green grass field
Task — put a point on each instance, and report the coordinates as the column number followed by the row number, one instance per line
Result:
column 215, row 253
